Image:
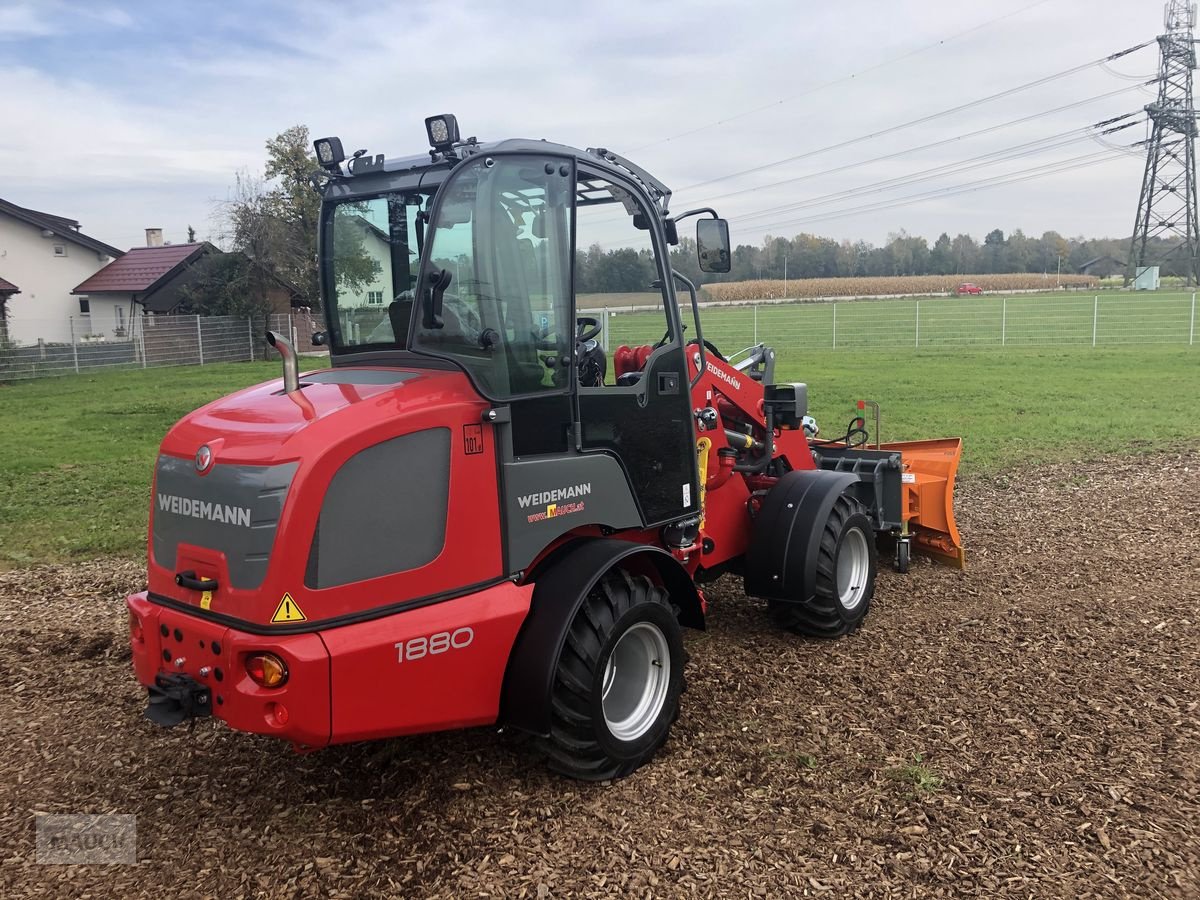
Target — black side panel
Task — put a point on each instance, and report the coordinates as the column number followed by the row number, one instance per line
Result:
column 544, row 497
column 541, row 425
column 649, row 428
column 234, row 509
column 560, row 590
column 384, row 512
column 781, row 561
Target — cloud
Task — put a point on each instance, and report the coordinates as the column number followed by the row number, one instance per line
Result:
column 23, row 21
column 169, row 106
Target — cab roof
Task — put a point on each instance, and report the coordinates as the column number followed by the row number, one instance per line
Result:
column 361, row 169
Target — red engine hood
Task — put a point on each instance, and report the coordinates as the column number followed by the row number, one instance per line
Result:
column 262, row 424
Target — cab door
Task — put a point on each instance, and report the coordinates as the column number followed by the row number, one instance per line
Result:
column 644, row 418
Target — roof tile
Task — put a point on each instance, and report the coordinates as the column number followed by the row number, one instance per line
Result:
column 7, row 287
column 139, row 269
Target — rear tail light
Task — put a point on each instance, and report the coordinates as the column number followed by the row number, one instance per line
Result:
column 266, row 670
column 135, row 629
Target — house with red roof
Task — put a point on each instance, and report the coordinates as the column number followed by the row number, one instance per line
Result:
column 47, row 255
column 153, row 280
column 144, row 279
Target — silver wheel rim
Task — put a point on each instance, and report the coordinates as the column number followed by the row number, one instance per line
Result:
column 853, row 564
column 636, row 678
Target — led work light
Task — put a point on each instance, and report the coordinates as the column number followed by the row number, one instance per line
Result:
column 329, row 152
column 442, row 130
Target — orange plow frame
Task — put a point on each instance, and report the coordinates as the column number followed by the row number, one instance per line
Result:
column 928, row 497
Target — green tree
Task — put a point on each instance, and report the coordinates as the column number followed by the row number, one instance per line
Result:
column 994, row 252
column 273, row 219
column 941, row 257
column 965, row 253
column 223, row 284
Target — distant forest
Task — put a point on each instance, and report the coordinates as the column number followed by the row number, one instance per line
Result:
column 810, row 256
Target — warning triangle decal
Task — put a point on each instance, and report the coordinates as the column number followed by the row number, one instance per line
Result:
column 288, row 611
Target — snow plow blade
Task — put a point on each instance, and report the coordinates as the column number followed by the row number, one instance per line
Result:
column 927, row 497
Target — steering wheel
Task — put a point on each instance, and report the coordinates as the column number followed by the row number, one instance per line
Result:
column 587, row 328
column 711, row 348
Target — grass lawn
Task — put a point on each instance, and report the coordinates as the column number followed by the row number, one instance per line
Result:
column 77, row 452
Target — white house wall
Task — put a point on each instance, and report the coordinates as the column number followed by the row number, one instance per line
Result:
column 376, row 247
column 45, row 305
column 104, row 318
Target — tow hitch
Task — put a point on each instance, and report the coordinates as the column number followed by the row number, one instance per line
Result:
column 175, row 698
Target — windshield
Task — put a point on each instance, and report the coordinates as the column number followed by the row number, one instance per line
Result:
column 496, row 289
column 373, row 269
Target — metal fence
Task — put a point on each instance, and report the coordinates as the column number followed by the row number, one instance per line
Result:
column 153, row 341
column 1104, row 320
column 927, row 323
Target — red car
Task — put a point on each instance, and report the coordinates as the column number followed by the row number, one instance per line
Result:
column 968, row 288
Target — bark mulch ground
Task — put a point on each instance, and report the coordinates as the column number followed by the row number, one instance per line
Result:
column 1030, row 727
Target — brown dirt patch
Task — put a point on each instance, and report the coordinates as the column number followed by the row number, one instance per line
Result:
column 1028, row 728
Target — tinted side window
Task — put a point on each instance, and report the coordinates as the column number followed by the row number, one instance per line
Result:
column 615, row 265
column 502, row 236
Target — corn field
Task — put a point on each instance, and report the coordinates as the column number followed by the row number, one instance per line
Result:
column 899, row 284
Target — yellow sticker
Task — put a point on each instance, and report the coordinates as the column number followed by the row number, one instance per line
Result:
column 206, row 600
column 288, row 611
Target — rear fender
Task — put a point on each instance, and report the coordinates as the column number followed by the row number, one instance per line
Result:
column 559, row 590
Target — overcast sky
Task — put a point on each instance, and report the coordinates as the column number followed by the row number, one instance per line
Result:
column 128, row 114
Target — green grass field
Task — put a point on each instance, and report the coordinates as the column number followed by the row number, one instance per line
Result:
column 77, row 452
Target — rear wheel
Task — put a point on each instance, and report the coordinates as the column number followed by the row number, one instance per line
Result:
column 617, row 682
column 845, row 577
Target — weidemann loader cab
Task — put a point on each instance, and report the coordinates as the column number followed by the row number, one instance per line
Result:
column 480, row 514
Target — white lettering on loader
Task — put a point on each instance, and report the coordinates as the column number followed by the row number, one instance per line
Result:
column 205, row 509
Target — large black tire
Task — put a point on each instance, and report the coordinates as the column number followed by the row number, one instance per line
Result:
column 845, row 577
column 607, row 720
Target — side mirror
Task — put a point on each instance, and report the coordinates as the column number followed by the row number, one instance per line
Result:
column 319, row 338
column 712, row 245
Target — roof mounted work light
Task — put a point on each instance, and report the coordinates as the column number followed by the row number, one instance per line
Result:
column 442, row 130
column 329, row 152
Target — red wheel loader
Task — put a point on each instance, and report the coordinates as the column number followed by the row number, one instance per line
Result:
column 481, row 514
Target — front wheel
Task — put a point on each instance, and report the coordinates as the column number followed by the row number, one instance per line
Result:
column 845, row 577
column 617, row 682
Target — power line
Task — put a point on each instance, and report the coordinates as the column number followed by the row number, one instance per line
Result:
column 923, row 119
column 929, row 146
column 1068, row 165
column 843, row 79
column 1020, row 151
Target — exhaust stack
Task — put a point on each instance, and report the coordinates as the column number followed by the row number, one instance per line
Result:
column 291, row 366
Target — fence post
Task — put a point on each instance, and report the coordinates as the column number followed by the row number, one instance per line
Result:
column 1095, row 317
column 834, row 324
column 141, row 331
column 604, row 329
column 200, row 340
column 917, row 331
column 1192, row 324
column 1003, row 320
column 74, row 346
column 250, row 335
